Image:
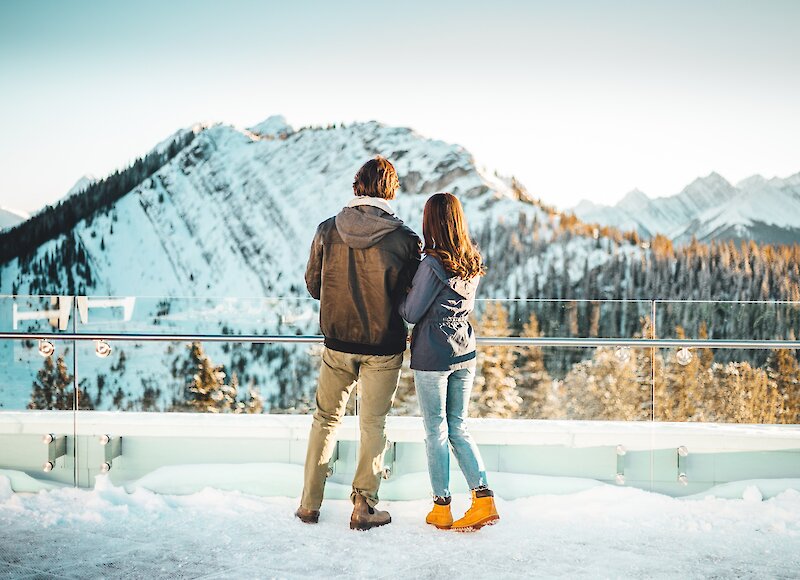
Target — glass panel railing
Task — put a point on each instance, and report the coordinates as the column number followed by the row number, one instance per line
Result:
column 176, row 393
column 212, row 385
column 37, row 393
column 703, row 385
column 205, row 316
column 198, row 404
column 726, row 417
column 553, row 391
column 774, row 320
column 562, row 318
column 199, row 377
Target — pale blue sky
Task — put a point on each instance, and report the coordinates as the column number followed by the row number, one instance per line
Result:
column 578, row 99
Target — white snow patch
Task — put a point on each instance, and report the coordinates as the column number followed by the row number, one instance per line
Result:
column 751, row 493
column 5, row 488
column 255, row 478
column 750, row 489
column 20, row 481
column 273, row 126
column 600, row 532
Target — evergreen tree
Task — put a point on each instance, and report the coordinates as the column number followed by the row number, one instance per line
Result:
column 254, row 405
column 742, row 394
column 207, row 390
column 52, row 385
column 606, row 388
column 682, row 391
column 54, row 388
column 533, row 381
column 784, row 370
column 495, row 392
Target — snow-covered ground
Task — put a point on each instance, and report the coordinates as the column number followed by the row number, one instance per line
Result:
column 599, row 532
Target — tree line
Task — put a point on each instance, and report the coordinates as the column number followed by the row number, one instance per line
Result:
column 709, row 274
column 61, row 218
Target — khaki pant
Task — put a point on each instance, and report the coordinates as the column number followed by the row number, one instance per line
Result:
column 379, row 376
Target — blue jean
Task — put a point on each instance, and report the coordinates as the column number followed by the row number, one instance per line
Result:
column 444, row 399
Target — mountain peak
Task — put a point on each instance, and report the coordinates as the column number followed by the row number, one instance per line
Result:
column 792, row 180
column 706, row 191
column 634, row 200
column 272, row 126
column 585, row 206
column 715, row 178
column 754, row 181
column 83, row 182
column 11, row 217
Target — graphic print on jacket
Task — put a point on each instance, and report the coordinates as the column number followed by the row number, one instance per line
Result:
column 439, row 306
column 361, row 264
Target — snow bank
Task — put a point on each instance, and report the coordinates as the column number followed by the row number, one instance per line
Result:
column 750, row 489
column 273, row 479
column 604, row 531
column 277, row 479
column 20, row 481
column 5, row 488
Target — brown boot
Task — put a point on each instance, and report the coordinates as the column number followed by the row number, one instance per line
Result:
column 366, row 517
column 307, row 516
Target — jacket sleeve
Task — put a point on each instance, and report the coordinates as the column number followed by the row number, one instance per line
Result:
column 314, row 266
column 410, row 269
column 424, row 289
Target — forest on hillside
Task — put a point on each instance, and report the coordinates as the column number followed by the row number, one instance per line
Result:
column 60, row 219
column 708, row 275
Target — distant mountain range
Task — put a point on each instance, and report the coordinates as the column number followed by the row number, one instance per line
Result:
column 709, row 208
column 10, row 217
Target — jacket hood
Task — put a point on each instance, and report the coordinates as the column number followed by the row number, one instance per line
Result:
column 464, row 288
column 365, row 226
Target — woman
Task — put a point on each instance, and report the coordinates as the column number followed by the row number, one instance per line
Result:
column 441, row 298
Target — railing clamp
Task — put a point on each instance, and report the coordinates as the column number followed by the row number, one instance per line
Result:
column 112, row 448
column 56, row 447
column 619, row 478
column 683, row 453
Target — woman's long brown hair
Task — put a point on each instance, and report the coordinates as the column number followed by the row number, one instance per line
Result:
column 444, row 228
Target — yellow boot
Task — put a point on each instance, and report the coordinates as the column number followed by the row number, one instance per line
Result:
column 440, row 516
column 481, row 513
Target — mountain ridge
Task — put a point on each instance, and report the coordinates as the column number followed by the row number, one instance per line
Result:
column 11, row 217
column 709, row 208
column 248, row 201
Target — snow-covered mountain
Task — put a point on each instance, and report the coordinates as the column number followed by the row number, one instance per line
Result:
column 11, row 217
column 709, row 208
column 80, row 185
column 234, row 213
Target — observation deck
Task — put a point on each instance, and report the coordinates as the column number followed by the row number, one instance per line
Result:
column 166, row 438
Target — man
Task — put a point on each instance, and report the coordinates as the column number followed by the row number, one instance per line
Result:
column 361, row 265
